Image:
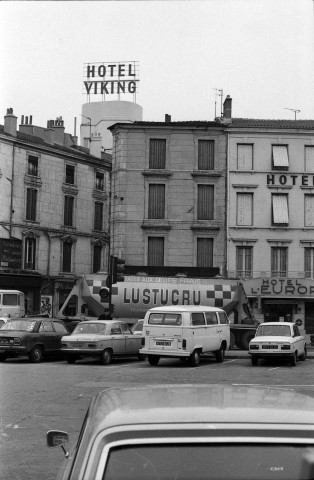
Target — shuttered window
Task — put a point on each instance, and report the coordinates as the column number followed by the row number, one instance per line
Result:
column 205, row 202
column 245, row 209
column 280, row 157
column 155, row 251
column 309, row 210
column 67, row 256
column 98, row 219
column 68, row 211
column 244, row 257
column 31, row 204
column 206, row 154
column 97, row 258
column 156, row 200
column 279, row 261
column 280, row 209
column 157, row 153
column 309, row 262
column 205, row 247
column 245, row 157
column 309, row 159
column 30, row 253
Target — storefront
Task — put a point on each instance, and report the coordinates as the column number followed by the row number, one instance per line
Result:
column 283, row 299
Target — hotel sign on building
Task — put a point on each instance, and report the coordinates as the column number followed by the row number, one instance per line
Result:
column 110, row 78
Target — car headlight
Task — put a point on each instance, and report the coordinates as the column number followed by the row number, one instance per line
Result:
column 285, row 347
column 254, row 346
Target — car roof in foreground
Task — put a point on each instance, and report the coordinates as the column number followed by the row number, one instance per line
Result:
column 277, row 323
column 186, row 308
column 194, row 404
column 109, row 322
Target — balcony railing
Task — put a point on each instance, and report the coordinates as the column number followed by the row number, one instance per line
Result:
column 246, row 274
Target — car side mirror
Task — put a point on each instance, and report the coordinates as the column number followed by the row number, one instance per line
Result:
column 56, row 438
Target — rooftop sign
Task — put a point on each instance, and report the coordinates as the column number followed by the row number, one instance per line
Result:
column 110, row 79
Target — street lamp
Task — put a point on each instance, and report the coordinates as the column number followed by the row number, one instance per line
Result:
column 90, row 127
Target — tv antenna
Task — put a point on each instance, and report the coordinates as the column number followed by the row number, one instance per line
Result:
column 219, row 93
column 293, row 110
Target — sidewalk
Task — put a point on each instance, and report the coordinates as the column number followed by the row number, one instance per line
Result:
column 236, row 353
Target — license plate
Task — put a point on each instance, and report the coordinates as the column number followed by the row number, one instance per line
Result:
column 4, row 342
column 164, row 344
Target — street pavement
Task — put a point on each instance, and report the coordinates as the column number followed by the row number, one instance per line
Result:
column 236, row 353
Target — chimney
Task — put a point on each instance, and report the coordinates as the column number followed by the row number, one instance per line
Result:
column 10, row 122
column 59, row 130
column 227, row 109
column 167, row 118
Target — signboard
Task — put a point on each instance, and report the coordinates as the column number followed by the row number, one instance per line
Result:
column 46, row 305
column 113, row 78
column 279, row 287
column 10, row 252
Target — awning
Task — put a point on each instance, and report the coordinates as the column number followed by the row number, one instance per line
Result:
column 281, row 302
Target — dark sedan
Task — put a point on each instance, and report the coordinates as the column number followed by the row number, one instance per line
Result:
column 34, row 337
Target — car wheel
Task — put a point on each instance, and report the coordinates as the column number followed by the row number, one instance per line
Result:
column 254, row 361
column 71, row 359
column 36, row 354
column 141, row 357
column 153, row 359
column 3, row 357
column 195, row 358
column 106, row 357
column 304, row 355
column 293, row 360
column 220, row 354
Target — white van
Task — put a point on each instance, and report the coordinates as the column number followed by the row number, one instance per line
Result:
column 12, row 303
column 185, row 332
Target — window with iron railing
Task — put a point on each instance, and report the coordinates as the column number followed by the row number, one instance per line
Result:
column 279, row 261
column 244, row 256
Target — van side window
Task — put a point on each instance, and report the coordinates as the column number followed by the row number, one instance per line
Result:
column 211, row 318
column 223, row 318
column 198, row 319
column 165, row 319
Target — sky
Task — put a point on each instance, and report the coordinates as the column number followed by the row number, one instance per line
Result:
column 260, row 52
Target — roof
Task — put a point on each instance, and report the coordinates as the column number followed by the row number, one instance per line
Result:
column 157, row 405
column 186, row 308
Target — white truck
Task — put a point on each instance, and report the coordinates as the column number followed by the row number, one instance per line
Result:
column 12, row 303
column 138, row 293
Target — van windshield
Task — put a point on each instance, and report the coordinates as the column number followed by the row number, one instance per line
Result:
column 165, row 319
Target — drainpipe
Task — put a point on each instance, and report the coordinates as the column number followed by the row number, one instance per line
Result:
column 11, row 180
column 227, row 205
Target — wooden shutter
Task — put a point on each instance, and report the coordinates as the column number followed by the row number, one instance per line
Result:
column 206, row 154
column 155, row 251
column 157, row 153
column 205, row 202
column 244, row 208
column 156, row 201
column 245, row 157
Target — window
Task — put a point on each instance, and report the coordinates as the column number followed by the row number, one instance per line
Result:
column 70, row 174
column 309, row 262
column 31, row 204
column 244, row 209
column 205, row 248
column 99, row 181
column 67, row 256
column 46, row 326
column 86, row 141
column 244, row 257
column 30, row 253
column 211, row 318
column 206, row 154
column 156, row 200
column 155, row 255
column 279, row 260
column 222, row 318
column 197, row 319
column 309, row 159
column 280, row 157
column 205, row 202
column 157, row 153
column 68, row 211
column 280, row 209
column 309, row 210
column 32, row 167
column 98, row 219
column 245, row 157
column 97, row 258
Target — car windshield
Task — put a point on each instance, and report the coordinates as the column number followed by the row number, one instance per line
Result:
column 22, row 325
column 93, row 328
column 138, row 327
column 209, row 462
column 273, row 331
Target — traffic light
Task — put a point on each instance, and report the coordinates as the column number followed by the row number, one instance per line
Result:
column 117, row 269
column 104, row 293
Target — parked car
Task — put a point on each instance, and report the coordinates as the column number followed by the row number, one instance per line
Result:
column 278, row 340
column 102, row 339
column 34, row 337
column 137, row 328
column 192, row 432
column 3, row 320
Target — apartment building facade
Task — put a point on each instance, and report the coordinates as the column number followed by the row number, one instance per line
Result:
column 54, row 223
column 168, row 194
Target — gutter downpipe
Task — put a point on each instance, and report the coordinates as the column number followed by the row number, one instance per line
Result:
column 12, row 185
column 227, row 205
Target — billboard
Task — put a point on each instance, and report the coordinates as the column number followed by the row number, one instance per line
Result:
column 11, row 252
column 111, row 78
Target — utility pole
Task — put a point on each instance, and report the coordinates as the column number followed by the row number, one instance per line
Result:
column 219, row 93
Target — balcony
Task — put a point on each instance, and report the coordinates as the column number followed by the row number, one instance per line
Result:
column 246, row 274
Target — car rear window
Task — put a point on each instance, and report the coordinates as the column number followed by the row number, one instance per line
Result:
column 165, row 319
column 21, row 325
column 273, row 331
column 196, row 461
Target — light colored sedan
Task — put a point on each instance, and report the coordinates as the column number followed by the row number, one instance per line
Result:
column 278, row 340
column 192, row 432
column 101, row 338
